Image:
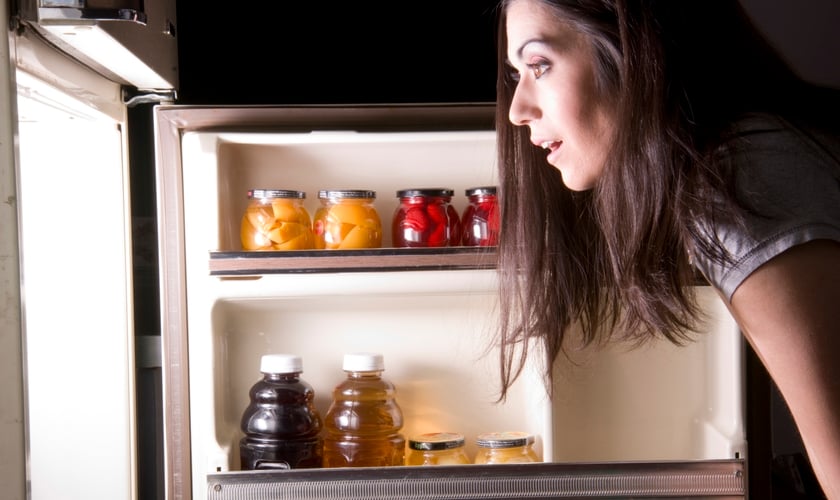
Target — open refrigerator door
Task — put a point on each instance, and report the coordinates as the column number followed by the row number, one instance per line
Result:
column 69, row 71
column 73, row 238
column 615, row 428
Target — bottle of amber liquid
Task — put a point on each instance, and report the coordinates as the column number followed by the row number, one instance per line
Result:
column 281, row 424
column 364, row 420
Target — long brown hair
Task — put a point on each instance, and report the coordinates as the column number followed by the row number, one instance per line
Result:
column 615, row 261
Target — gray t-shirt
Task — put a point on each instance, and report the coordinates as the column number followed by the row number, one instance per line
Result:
column 792, row 177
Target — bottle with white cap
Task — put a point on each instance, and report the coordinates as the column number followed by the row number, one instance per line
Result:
column 364, row 420
column 281, row 424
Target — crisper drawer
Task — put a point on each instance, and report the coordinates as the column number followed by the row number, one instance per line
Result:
column 724, row 479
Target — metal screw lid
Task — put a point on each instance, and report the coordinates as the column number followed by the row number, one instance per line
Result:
column 504, row 439
column 275, row 193
column 485, row 190
column 433, row 441
column 404, row 193
column 346, row 193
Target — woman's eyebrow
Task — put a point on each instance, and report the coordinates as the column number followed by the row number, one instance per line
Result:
column 524, row 44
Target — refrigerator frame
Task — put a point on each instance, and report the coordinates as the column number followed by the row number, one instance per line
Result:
column 706, row 478
column 171, row 122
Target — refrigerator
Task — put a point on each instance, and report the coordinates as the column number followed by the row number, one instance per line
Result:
column 430, row 312
column 72, row 74
column 112, row 396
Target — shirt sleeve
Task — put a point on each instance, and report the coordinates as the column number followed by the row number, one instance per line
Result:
column 791, row 179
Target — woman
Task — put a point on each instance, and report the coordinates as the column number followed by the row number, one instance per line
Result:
column 643, row 140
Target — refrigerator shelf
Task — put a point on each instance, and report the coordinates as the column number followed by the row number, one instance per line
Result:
column 362, row 260
column 709, row 479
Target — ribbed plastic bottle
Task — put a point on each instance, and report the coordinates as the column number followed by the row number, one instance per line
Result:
column 281, row 424
column 362, row 425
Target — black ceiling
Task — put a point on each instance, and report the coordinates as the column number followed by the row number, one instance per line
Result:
column 337, row 52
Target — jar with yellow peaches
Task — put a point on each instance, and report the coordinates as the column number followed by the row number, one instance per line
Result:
column 347, row 219
column 275, row 219
column 437, row 448
column 505, row 448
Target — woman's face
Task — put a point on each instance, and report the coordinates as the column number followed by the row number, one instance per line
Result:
column 556, row 96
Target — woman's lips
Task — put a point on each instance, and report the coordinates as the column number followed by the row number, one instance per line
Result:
column 548, row 145
column 551, row 147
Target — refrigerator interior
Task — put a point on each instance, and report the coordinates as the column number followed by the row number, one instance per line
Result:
column 434, row 327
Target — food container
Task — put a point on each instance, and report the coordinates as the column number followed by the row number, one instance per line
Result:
column 505, row 448
column 480, row 219
column 437, row 448
column 425, row 218
column 347, row 219
column 275, row 219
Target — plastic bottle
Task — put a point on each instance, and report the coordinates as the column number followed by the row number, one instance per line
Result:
column 281, row 424
column 363, row 421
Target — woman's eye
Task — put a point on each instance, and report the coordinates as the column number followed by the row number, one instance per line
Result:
column 512, row 74
column 538, row 69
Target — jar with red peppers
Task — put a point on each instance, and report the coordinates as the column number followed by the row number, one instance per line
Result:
column 480, row 220
column 425, row 218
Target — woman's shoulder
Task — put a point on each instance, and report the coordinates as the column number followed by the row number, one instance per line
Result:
column 764, row 140
column 787, row 175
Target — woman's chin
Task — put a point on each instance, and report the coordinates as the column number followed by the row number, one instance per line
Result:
column 575, row 183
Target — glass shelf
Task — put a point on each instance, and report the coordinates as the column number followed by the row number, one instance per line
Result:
column 362, row 260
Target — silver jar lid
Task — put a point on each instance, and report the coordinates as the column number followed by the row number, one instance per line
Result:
column 346, row 193
column 275, row 193
column 504, row 439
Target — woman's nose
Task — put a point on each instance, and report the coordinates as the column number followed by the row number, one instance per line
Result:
column 522, row 108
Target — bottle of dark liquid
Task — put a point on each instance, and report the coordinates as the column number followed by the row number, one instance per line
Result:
column 363, row 422
column 281, row 424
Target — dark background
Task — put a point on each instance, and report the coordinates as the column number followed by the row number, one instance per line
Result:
column 337, row 52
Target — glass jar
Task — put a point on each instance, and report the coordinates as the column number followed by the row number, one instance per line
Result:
column 425, row 218
column 505, row 448
column 437, row 448
column 347, row 219
column 480, row 220
column 275, row 219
